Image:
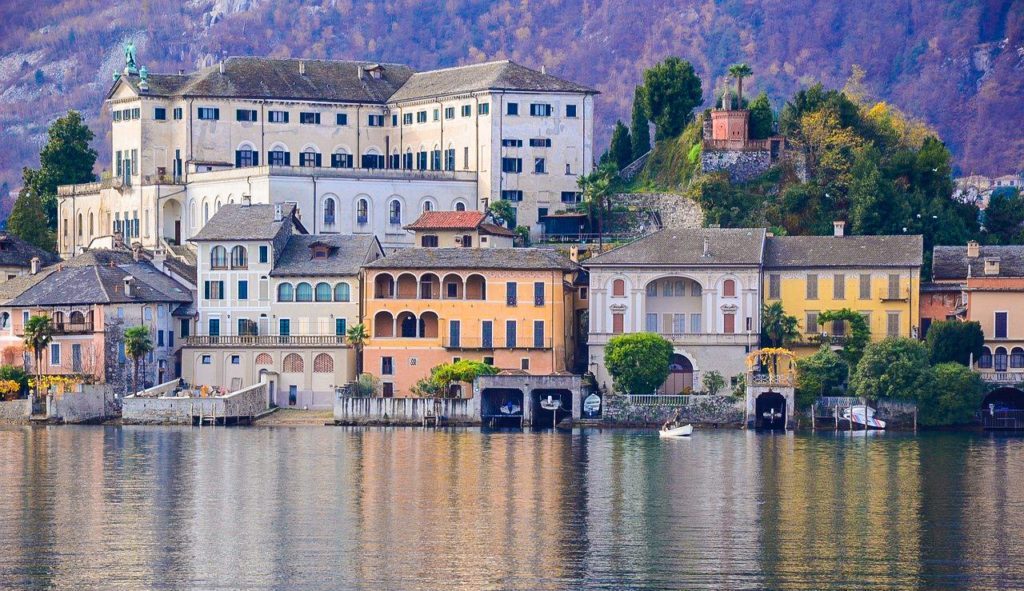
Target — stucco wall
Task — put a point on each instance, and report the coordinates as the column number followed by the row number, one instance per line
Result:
column 401, row 411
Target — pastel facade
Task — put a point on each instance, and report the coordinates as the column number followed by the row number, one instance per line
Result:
column 700, row 289
column 328, row 135
column 877, row 276
column 459, row 229
column 513, row 308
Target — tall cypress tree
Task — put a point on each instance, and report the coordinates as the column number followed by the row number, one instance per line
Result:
column 621, row 149
column 28, row 220
column 66, row 159
column 641, row 131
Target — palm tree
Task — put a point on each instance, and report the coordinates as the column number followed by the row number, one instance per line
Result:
column 136, row 345
column 358, row 336
column 777, row 327
column 38, row 334
column 739, row 72
column 595, row 187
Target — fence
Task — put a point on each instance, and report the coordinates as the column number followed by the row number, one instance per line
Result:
column 664, row 399
column 402, row 411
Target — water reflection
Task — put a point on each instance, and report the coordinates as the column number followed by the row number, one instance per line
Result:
column 309, row 508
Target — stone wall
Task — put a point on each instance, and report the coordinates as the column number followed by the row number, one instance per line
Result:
column 243, row 404
column 742, row 165
column 402, row 411
column 675, row 211
column 718, row 410
column 633, row 168
column 92, row 402
column 15, row 410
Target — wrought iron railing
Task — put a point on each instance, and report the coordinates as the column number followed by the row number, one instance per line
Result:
column 265, row 340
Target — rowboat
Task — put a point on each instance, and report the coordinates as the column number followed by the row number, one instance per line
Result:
column 675, row 432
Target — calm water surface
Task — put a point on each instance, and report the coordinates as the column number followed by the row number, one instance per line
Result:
column 330, row 508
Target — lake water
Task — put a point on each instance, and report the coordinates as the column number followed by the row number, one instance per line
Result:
column 330, row 508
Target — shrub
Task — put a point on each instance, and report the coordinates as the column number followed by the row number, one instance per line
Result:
column 638, row 362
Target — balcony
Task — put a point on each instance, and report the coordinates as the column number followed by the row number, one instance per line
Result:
column 266, row 340
column 1002, row 377
column 764, row 380
column 479, row 344
column 72, row 327
column 692, row 338
column 836, row 340
column 894, row 295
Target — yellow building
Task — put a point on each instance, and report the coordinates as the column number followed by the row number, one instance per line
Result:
column 511, row 307
column 877, row 276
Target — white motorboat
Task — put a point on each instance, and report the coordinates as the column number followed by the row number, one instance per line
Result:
column 509, row 408
column 684, row 431
column 863, row 416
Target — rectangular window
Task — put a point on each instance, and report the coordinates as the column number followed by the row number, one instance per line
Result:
column 510, row 334
column 421, row 116
column 838, row 328
column 487, row 334
column 511, row 143
column 465, row 157
column 483, row 109
column 812, row 286
column 387, row 366
column 428, row 242
column 538, row 334
column 245, row 158
column 540, row 142
column 774, row 286
column 341, row 119
column 839, row 287
column 540, row 109
column 679, row 323
column 277, row 116
column 512, row 109
column 571, row 196
column 54, row 353
column 511, row 291
column 729, row 323
column 309, row 159
column 437, row 115
column 209, row 113
column 651, row 322
column 245, row 115
column 894, row 287
column 159, row 338
column 375, row 120
column 137, row 113
column 539, row 166
column 264, row 253
column 812, row 323
column 213, row 290
column 247, row 328
column 279, row 158
column 449, row 112
column 449, row 159
column 1000, row 324
column 177, row 113
column 207, row 359
column 618, row 319
column 512, row 195
column 339, row 327
column 387, row 389
column 513, row 165
column 570, row 111
column 214, row 327
column 407, row 119
column 184, row 328
column 236, row 359
column 435, row 160
column 307, row 118
column 467, row 110
column 865, row 286
column 538, row 293
column 160, row 113
column 892, row 324
column 243, row 290
column 454, row 333
column 341, row 160
column 421, row 160
column 284, row 327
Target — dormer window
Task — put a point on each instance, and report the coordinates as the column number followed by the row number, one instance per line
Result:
column 320, row 250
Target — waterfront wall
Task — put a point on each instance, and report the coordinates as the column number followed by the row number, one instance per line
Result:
column 243, row 404
column 718, row 410
column 15, row 410
column 90, row 403
column 402, row 411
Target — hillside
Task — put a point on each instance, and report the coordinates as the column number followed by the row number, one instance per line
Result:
column 957, row 64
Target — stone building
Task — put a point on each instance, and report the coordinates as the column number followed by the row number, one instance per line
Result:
column 699, row 288
column 359, row 147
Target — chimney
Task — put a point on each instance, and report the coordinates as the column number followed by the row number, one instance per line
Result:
column 34, row 265
column 278, row 212
column 359, row 72
column 574, row 253
column 707, row 245
column 992, row 266
column 973, row 249
column 129, row 287
column 137, row 251
column 838, row 228
column 246, row 200
column 543, row 69
column 302, row 67
column 221, row 67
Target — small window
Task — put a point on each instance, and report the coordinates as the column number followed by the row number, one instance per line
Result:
column 540, row 142
column 387, row 366
column 245, row 115
column 429, row 242
column 483, row 109
column 511, row 143
column 307, row 118
column 571, row 196
column 207, row 359
column 54, row 353
column 510, row 195
column 539, row 166
column 243, row 290
column 467, row 110
column 812, row 286
column 774, row 286
column 160, row 113
column 407, row 119
column 540, row 109
column 375, row 120
column 437, row 115
column 512, row 109
column 618, row 288
column 395, row 212
column 209, row 113
column 264, row 253
column 236, row 359
column 839, row 287
column 538, row 293
column 570, row 111
column 513, row 165
column 277, row 116
column 618, row 319
column 421, row 117
column 511, row 293
column 449, row 113
column 177, row 113
column 341, row 119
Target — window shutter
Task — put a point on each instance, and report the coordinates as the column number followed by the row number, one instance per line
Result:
column 255, row 158
column 286, row 116
column 318, row 159
column 206, row 290
column 238, row 159
column 216, row 114
column 287, row 155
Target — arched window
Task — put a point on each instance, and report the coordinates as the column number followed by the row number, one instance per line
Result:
column 1000, row 359
column 618, row 288
column 58, row 318
column 985, row 361
column 292, row 363
column 218, row 205
column 342, row 292
column 81, row 226
column 193, row 215
column 309, row 157
column 329, row 211
column 206, row 212
column 1017, row 357
column 239, row 260
column 285, row 292
column 323, row 363
column 395, row 212
column 460, row 206
column 729, row 288
column 219, row 257
column 77, row 317
column 362, row 211
column 91, row 224
column 323, row 292
column 304, row 292
column 427, row 206
column 264, row 359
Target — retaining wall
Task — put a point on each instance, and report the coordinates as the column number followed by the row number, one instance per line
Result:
column 15, row 410
column 90, row 403
column 402, row 411
column 719, row 410
column 243, row 404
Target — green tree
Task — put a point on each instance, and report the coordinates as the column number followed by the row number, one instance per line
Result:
column 596, row 187
column 357, row 337
column 522, row 236
column 462, row 371
column 641, row 132
column 672, row 89
column 637, row 362
column 621, row 148
column 137, row 344
column 895, row 368
column 38, row 334
column 761, row 117
column 955, row 341
column 778, row 328
column 365, row 386
column 857, row 336
column 65, row 159
column 819, row 375
column 713, row 382
column 502, row 212
column 28, row 221
column 952, row 396
column 739, row 72
column 1004, row 216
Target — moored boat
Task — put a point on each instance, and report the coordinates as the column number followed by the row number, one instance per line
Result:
column 864, row 416
column 684, row 431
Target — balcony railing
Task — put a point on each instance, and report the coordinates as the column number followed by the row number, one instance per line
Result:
column 1003, row 377
column 893, row 295
column 72, row 327
column 465, row 343
column 265, row 340
column 781, row 380
column 692, row 338
column 821, row 339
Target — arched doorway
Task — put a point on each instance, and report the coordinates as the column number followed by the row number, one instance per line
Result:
column 770, row 411
column 170, row 220
column 680, row 376
column 1003, row 408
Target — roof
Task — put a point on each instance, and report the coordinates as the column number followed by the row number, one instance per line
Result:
column 267, row 78
column 952, row 262
column 475, row 258
column 346, row 256
column 844, row 251
column 725, row 246
column 500, row 75
column 15, row 252
column 458, row 220
column 94, row 283
column 235, row 221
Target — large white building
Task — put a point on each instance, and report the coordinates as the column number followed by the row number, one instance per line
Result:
column 359, row 147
